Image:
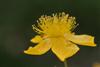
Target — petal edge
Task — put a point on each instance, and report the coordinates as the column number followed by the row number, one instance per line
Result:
column 39, row 49
column 64, row 50
column 36, row 39
column 85, row 40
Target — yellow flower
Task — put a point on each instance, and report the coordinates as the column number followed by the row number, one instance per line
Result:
column 56, row 33
column 97, row 64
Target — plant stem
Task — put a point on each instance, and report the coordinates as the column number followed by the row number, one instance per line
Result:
column 65, row 64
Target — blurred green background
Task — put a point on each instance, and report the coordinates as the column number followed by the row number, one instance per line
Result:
column 17, row 16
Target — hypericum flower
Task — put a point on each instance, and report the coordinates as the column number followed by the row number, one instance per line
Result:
column 97, row 64
column 55, row 33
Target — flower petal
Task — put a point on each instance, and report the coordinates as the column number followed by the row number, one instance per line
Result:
column 85, row 40
column 63, row 49
column 36, row 39
column 39, row 49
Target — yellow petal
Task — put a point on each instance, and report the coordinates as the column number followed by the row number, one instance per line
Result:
column 85, row 40
column 36, row 39
column 63, row 49
column 39, row 49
